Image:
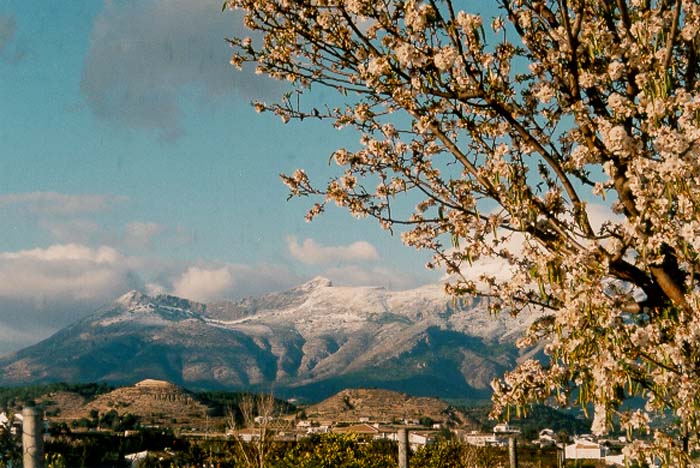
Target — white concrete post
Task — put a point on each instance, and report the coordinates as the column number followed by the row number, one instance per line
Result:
column 32, row 438
column 560, row 455
column 513, row 451
column 403, row 448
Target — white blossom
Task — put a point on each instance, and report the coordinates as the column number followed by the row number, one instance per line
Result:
column 469, row 140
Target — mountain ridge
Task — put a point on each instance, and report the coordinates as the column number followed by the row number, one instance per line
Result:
column 313, row 339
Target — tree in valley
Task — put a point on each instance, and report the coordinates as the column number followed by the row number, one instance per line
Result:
column 557, row 137
column 258, row 413
column 339, row 451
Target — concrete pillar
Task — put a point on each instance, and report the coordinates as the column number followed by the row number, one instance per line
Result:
column 32, row 438
column 403, row 448
column 560, row 455
column 513, row 451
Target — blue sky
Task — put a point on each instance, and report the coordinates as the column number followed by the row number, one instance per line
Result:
column 131, row 158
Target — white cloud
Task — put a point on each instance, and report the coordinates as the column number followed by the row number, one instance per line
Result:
column 73, row 230
column 69, row 218
column 66, row 252
column 12, row 338
column 202, row 284
column 312, row 253
column 231, row 281
column 64, row 272
column 44, row 289
column 145, row 54
column 59, row 203
column 354, row 275
column 141, row 234
column 154, row 289
column 499, row 268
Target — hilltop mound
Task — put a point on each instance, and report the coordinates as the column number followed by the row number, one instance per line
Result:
column 152, row 401
column 384, row 406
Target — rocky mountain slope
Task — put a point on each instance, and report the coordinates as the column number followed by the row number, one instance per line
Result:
column 310, row 341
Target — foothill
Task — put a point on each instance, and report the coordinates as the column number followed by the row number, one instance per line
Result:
column 156, row 423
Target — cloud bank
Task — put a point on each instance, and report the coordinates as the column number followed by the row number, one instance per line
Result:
column 53, row 203
column 44, row 289
column 203, row 285
column 355, row 275
column 64, row 272
column 312, row 253
column 206, row 283
column 355, row 264
column 145, row 55
column 140, row 234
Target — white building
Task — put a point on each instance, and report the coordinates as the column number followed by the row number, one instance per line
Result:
column 420, row 439
column 505, row 428
column 585, row 449
column 246, row 435
column 499, row 437
column 415, row 439
column 487, row 439
column 322, row 429
column 546, row 438
column 480, row 439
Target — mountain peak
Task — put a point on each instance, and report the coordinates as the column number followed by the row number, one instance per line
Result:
column 317, row 282
column 132, row 298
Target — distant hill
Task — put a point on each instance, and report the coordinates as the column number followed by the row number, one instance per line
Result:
column 152, row 401
column 386, row 406
column 163, row 404
column 310, row 342
column 149, row 402
column 160, row 403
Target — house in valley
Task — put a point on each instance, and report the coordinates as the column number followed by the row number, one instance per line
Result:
column 585, row 449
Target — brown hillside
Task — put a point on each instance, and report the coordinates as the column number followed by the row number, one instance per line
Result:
column 153, row 401
column 385, row 406
column 60, row 403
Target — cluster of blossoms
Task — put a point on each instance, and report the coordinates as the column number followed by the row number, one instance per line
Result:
column 471, row 139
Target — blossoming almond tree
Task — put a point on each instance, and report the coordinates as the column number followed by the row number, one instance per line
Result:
column 522, row 125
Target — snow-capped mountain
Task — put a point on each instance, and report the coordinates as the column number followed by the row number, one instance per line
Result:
column 311, row 340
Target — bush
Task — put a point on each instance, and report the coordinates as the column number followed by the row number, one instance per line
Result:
column 452, row 454
column 10, row 449
column 338, row 451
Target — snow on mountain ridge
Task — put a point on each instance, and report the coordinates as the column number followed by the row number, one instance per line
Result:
column 310, row 336
column 132, row 299
column 345, row 329
column 137, row 307
column 339, row 327
column 318, row 307
column 314, row 283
